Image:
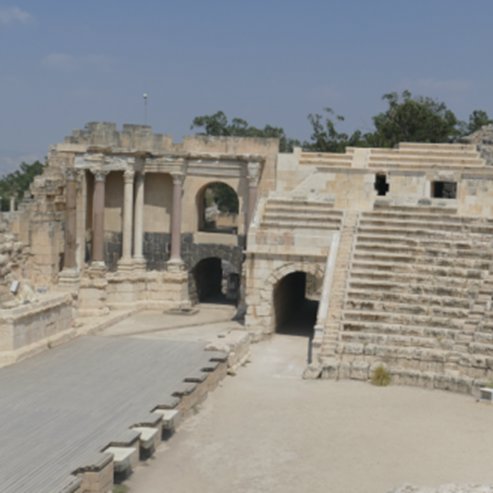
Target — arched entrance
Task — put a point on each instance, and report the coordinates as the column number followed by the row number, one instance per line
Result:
column 295, row 312
column 217, row 208
column 216, row 281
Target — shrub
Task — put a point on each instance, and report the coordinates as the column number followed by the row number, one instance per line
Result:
column 380, row 376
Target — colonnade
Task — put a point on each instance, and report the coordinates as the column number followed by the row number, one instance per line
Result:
column 133, row 217
column 133, row 220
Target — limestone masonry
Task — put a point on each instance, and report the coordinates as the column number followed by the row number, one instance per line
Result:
column 385, row 256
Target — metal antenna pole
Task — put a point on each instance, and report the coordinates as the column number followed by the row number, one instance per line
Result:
column 145, row 96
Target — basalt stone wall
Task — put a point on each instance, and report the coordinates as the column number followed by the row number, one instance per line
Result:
column 156, row 250
column 193, row 253
column 112, row 250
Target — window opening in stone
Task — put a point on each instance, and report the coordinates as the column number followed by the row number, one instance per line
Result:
column 381, row 185
column 295, row 305
column 218, row 207
column 215, row 281
column 444, row 189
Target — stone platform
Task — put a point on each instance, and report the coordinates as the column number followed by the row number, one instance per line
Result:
column 60, row 409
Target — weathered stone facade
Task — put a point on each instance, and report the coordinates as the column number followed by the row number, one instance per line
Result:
column 394, row 244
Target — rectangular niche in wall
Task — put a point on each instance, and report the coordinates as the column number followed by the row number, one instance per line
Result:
column 444, row 189
column 381, row 185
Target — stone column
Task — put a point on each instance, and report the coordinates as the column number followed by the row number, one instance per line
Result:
column 139, row 220
column 69, row 259
column 98, row 218
column 128, row 198
column 253, row 178
column 12, row 203
column 175, row 260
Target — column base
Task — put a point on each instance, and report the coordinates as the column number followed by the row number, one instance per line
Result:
column 97, row 268
column 140, row 264
column 69, row 278
column 126, row 265
column 175, row 265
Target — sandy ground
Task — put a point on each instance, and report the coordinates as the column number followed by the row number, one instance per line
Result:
column 266, row 430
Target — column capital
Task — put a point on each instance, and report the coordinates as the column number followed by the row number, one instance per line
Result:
column 71, row 174
column 253, row 173
column 128, row 175
column 99, row 174
column 178, row 177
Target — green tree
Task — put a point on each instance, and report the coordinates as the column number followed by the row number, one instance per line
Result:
column 18, row 182
column 326, row 138
column 477, row 119
column 218, row 124
column 413, row 119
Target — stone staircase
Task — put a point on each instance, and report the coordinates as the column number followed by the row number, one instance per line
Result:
column 417, row 300
column 426, row 156
column 290, row 213
column 338, row 289
column 293, row 225
column 328, row 159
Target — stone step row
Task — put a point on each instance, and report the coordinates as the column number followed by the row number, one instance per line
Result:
column 392, row 353
column 292, row 216
column 364, row 304
column 425, row 230
column 419, row 226
column 462, row 259
column 422, row 267
column 441, row 241
column 465, row 282
column 276, row 224
column 378, row 164
column 409, row 299
column 298, row 203
column 411, row 209
column 480, row 257
column 373, row 219
column 427, row 147
column 316, row 211
column 402, row 287
column 431, row 158
column 364, row 338
column 387, row 214
column 393, row 318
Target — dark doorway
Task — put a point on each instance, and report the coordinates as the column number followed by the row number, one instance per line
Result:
column 295, row 314
column 381, row 185
column 213, row 283
column 444, row 189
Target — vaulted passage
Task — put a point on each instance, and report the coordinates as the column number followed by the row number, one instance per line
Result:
column 295, row 314
column 214, row 282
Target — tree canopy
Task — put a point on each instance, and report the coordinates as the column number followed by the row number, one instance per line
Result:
column 407, row 118
column 217, row 124
column 17, row 183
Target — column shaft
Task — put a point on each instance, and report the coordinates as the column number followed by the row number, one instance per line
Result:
column 128, row 193
column 139, row 217
column 176, row 219
column 252, row 201
column 69, row 257
column 98, row 217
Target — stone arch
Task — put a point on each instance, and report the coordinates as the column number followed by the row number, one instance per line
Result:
column 314, row 274
column 217, row 206
column 215, row 280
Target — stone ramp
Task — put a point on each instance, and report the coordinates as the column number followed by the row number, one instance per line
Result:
column 61, row 407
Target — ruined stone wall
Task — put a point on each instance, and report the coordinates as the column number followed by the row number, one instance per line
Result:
column 14, row 263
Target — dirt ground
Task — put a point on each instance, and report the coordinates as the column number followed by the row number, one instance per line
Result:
column 267, row 430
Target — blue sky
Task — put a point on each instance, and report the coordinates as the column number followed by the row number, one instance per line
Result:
column 64, row 63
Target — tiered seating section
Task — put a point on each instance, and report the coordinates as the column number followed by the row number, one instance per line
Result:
column 426, row 157
column 291, row 213
column 418, row 286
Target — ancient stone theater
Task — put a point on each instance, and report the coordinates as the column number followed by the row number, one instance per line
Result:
column 378, row 256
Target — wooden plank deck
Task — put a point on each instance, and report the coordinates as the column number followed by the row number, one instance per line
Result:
column 58, row 408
